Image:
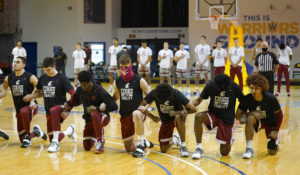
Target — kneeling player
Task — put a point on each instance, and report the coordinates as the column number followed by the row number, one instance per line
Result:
column 173, row 108
column 263, row 112
column 97, row 104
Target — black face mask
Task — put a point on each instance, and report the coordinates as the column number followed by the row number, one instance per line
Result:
column 264, row 49
column 214, row 47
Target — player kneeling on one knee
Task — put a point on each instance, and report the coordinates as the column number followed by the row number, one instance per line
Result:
column 261, row 110
column 173, row 108
column 223, row 93
column 97, row 104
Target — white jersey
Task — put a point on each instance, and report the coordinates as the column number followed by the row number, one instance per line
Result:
column 236, row 54
column 182, row 63
column 219, row 57
column 79, row 56
column 144, row 55
column 19, row 52
column 165, row 63
column 202, row 52
column 113, row 54
column 284, row 55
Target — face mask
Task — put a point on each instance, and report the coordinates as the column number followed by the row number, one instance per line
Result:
column 264, row 49
column 127, row 73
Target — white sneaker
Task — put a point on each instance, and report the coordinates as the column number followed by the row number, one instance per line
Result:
column 188, row 91
column 54, row 147
column 72, row 134
column 248, row 154
column 176, row 140
column 198, row 153
column 184, row 152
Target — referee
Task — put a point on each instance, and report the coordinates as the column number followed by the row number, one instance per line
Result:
column 267, row 65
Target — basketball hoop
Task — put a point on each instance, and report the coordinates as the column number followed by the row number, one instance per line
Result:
column 214, row 21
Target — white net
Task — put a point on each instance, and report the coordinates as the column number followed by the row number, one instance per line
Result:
column 214, row 21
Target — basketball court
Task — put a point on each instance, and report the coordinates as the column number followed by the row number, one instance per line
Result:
column 224, row 20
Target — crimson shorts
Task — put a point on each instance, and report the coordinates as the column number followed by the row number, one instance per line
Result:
column 127, row 127
column 260, row 125
column 219, row 70
column 166, row 129
column 224, row 132
column 88, row 132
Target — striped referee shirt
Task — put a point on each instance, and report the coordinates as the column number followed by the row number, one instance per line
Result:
column 266, row 62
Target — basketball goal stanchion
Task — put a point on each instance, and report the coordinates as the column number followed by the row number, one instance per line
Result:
column 214, row 21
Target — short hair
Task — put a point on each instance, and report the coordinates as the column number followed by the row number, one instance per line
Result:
column 221, row 82
column 144, row 41
column 281, row 46
column 166, row 42
column 48, row 62
column 23, row 59
column 203, row 36
column 19, row 41
column 125, row 59
column 78, row 43
column 85, row 76
column 220, row 41
column 236, row 38
column 182, row 43
column 258, row 80
column 163, row 92
column 115, row 38
column 124, row 47
column 259, row 39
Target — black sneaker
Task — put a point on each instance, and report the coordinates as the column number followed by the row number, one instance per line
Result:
column 26, row 142
column 4, row 135
column 39, row 133
column 139, row 152
column 148, row 144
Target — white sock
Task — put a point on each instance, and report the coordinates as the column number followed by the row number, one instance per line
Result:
column 199, row 145
column 197, row 88
column 182, row 144
column 55, row 136
column 68, row 131
column 141, row 139
column 249, row 144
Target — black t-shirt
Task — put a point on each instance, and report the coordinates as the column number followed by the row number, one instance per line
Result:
column 266, row 107
column 95, row 97
column 131, row 94
column 222, row 103
column 88, row 53
column 54, row 90
column 20, row 86
column 60, row 58
column 176, row 102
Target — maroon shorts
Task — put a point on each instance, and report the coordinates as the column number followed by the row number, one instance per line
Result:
column 127, row 127
column 219, row 70
column 260, row 125
column 88, row 132
column 224, row 132
column 166, row 129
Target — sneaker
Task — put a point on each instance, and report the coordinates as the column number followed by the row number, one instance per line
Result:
column 148, row 144
column 139, row 152
column 54, row 147
column 198, row 153
column 99, row 148
column 248, row 154
column 26, row 142
column 288, row 94
column 277, row 94
column 73, row 134
column 39, row 133
column 184, row 152
column 177, row 141
column 4, row 135
column 188, row 91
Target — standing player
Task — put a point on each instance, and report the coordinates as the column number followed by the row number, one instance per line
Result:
column 22, row 83
column 285, row 57
column 144, row 57
column 79, row 57
column 257, row 49
column 223, row 93
column 96, row 114
column 130, row 88
column 18, row 51
column 113, row 51
column 53, row 86
column 165, row 56
column 236, row 54
column 220, row 57
column 202, row 52
column 173, row 108
column 263, row 112
column 182, row 57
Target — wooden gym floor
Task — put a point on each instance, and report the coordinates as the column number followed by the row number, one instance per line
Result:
column 72, row 159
